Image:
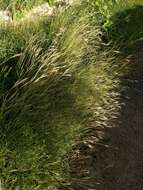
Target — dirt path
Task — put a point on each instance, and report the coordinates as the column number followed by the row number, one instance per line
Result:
column 123, row 162
column 125, row 169
column 116, row 161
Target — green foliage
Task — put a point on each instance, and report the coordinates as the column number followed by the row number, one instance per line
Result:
column 122, row 29
column 56, row 76
column 121, row 21
column 39, row 114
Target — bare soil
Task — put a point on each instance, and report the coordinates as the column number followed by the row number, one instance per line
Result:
column 121, row 164
column 116, row 161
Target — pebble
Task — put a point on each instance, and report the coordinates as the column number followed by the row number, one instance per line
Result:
column 5, row 16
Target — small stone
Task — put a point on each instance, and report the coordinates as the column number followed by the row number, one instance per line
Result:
column 42, row 10
column 5, row 16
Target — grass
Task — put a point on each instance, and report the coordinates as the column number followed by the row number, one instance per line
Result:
column 18, row 6
column 56, row 77
column 39, row 116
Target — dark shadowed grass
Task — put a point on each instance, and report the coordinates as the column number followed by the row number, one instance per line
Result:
column 122, row 30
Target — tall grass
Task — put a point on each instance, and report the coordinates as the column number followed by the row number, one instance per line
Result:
column 39, row 112
column 56, row 77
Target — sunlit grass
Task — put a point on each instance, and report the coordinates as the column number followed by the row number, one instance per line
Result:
column 40, row 115
column 56, row 76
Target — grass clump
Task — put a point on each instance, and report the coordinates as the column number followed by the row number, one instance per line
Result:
column 39, row 113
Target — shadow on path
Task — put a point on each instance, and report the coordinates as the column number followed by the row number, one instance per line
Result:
column 119, row 164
